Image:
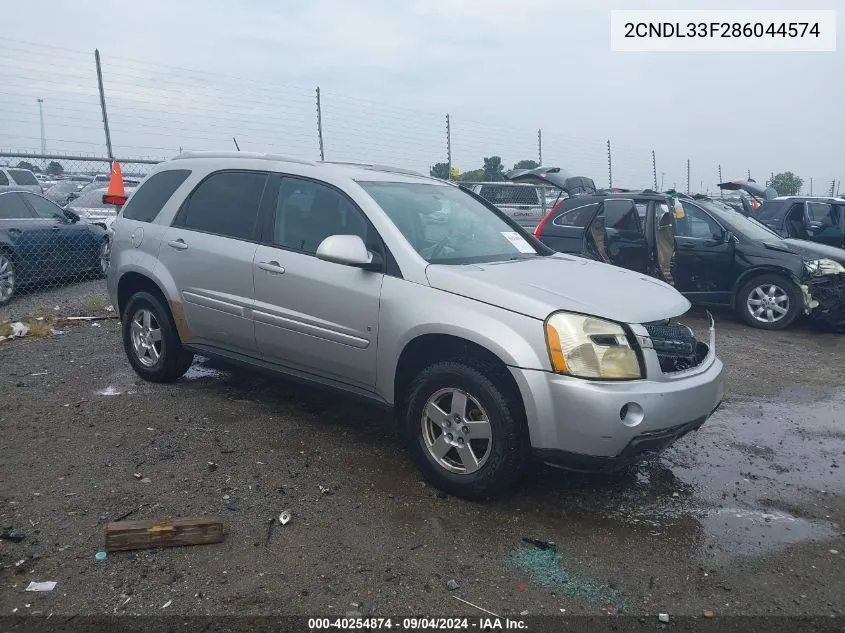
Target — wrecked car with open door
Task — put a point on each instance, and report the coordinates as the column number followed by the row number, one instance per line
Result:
column 819, row 220
column 712, row 254
column 757, row 194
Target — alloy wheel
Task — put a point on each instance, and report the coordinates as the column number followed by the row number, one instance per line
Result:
column 145, row 333
column 457, row 431
column 768, row 303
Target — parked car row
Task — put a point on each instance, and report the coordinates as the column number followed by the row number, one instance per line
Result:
column 707, row 250
column 40, row 241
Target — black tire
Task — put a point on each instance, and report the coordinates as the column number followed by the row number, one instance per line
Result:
column 7, row 262
column 792, row 291
column 97, row 268
column 509, row 446
column 173, row 359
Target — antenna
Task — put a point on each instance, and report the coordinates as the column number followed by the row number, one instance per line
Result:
column 236, row 143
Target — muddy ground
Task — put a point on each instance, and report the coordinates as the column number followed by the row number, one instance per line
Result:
column 744, row 517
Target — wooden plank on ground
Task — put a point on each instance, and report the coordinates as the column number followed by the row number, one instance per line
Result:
column 169, row 532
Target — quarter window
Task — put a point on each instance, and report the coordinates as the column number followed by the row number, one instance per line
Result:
column 150, row 198
column 226, row 203
column 579, row 217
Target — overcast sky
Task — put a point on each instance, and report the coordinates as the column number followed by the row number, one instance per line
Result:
column 194, row 73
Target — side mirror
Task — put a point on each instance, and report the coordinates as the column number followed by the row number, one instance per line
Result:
column 72, row 217
column 349, row 250
column 729, row 237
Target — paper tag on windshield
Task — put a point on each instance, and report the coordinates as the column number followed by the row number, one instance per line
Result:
column 517, row 240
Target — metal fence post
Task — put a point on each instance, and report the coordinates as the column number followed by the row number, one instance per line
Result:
column 449, row 146
column 103, row 103
column 687, row 176
column 721, row 191
column 320, row 125
column 540, row 146
column 749, row 174
column 609, row 165
column 654, row 168
column 811, row 186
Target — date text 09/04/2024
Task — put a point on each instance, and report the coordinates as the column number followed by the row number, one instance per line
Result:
column 722, row 29
column 416, row 624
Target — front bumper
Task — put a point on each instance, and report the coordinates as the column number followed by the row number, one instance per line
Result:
column 829, row 292
column 605, row 425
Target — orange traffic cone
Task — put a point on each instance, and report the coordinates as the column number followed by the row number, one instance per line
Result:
column 115, row 194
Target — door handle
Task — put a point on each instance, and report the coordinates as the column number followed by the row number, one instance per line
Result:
column 686, row 245
column 271, row 267
column 179, row 244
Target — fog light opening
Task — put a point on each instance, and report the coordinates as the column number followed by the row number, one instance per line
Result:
column 631, row 414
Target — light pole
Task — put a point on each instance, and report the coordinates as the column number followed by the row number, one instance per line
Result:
column 41, row 116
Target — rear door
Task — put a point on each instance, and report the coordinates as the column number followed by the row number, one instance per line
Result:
column 31, row 238
column 208, row 251
column 618, row 235
column 824, row 223
column 703, row 256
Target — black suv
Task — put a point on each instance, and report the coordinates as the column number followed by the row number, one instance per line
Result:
column 805, row 218
column 708, row 251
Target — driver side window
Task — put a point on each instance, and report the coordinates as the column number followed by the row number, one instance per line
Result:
column 43, row 208
column 697, row 224
column 308, row 212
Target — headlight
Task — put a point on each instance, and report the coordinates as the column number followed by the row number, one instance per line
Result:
column 589, row 347
column 819, row 267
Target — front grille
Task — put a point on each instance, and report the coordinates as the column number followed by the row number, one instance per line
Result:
column 676, row 346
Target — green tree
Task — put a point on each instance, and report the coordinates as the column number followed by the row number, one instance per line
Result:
column 440, row 170
column 474, row 175
column 55, row 168
column 494, row 171
column 527, row 164
column 27, row 165
column 786, row 183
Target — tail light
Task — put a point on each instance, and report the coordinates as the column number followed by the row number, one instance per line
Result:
column 539, row 230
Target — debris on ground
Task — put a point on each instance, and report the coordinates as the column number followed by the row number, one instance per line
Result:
column 833, row 551
column 137, row 475
column 211, row 466
column 477, row 607
column 524, row 612
column 100, row 556
column 89, row 318
column 285, row 517
column 451, row 585
column 324, row 490
column 663, row 617
column 146, row 480
column 171, row 532
column 47, row 585
column 709, row 614
column 167, row 604
column 544, row 545
column 109, row 391
column 10, row 534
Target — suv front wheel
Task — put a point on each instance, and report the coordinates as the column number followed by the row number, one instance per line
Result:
column 465, row 433
column 151, row 341
column 769, row 302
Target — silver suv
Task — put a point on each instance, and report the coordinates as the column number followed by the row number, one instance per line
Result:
column 17, row 179
column 414, row 295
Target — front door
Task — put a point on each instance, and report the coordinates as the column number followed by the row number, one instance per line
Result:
column 313, row 315
column 209, row 252
column 33, row 239
column 76, row 251
column 824, row 223
column 703, row 257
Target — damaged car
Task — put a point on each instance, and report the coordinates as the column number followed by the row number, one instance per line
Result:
column 819, row 220
column 712, row 254
column 756, row 194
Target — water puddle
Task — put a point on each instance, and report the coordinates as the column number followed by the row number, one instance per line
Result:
column 109, row 391
column 203, row 370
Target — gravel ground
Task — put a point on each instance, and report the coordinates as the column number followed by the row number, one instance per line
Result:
column 69, row 297
column 744, row 517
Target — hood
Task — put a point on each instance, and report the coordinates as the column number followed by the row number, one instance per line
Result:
column 814, row 250
column 555, row 177
column 750, row 187
column 538, row 286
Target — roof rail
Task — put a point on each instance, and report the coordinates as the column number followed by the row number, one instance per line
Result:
column 387, row 168
column 256, row 155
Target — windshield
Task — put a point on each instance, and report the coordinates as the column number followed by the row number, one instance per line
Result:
column 742, row 224
column 446, row 225
column 93, row 198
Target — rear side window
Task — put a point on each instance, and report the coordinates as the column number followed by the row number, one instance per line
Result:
column 3, row 179
column 13, row 208
column 23, row 177
column 822, row 212
column 578, row 217
column 503, row 194
column 148, row 201
column 225, row 203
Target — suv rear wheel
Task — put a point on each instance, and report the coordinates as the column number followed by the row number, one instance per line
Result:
column 769, row 302
column 465, row 433
column 151, row 342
